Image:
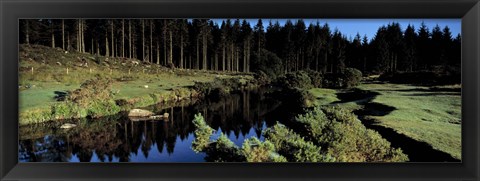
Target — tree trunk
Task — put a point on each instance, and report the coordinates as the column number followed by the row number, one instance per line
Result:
column 78, row 36
column 123, row 38
column 151, row 41
column 170, row 55
column 216, row 61
column 228, row 58
column 223, row 59
column 92, row 50
column 197, row 65
column 181, row 51
column 165, row 42
column 244, row 56
column 204, row 47
column 130, row 48
column 53, row 34
column 107, row 52
column 83, row 35
column 158, row 53
column 63, row 34
column 27, row 30
column 143, row 39
column 248, row 56
column 232, row 57
column 113, row 39
column 68, row 41
column 98, row 47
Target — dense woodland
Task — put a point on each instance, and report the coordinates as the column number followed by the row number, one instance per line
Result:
column 236, row 45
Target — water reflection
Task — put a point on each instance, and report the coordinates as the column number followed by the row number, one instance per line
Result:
column 117, row 139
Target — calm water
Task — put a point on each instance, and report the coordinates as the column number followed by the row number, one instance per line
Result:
column 117, row 139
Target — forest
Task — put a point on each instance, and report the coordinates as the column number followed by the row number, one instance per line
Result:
column 235, row 45
column 229, row 90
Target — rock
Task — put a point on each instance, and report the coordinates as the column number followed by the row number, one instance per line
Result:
column 165, row 115
column 156, row 117
column 140, row 113
column 68, row 126
column 146, row 86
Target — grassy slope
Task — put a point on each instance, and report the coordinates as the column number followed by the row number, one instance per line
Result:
column 50, row 76
column 422, row 114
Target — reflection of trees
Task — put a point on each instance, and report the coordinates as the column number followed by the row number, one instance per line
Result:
column 118, row 137
column 47, row 149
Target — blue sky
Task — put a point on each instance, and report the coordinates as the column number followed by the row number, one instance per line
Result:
column 350, row 27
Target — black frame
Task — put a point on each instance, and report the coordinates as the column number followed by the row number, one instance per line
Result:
column 12, row 10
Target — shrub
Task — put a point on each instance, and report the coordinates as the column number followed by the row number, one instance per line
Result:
column 349, row 78
column 294, row 147
column 262, row 78
column 352, row 77
column 224, row 150
column 202, row 134
column 315, row 77
column 267, row 62
column 257, row 151
column 220, row 86
column 299, row 79
column 297, row 98
column 93, row 90
column 344, row 136
column 182, row 93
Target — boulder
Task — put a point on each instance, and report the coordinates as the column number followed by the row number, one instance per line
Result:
column 68, row 126
column 140, row 113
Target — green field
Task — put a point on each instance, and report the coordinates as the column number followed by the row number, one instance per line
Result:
column 426, row 114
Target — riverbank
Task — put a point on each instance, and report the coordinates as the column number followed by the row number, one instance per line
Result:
column 46, row 74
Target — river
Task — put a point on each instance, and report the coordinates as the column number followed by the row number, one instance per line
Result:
column 116, row 138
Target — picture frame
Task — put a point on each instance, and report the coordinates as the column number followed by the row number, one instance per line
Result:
column 467, row 10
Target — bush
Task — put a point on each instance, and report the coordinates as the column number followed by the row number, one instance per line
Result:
column 224, row 150
column 315, row 77
column 202, row 134
column 262, row 78
column 345, row 138
column 294, row 147
column 97, row 89
column 220, row 86
column 299, row 79
column 268, row 63
column 300, row 98
column 257, row 151
column 352, row 77
column 349, row 78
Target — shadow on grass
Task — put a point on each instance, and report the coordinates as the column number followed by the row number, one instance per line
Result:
column 417, row 151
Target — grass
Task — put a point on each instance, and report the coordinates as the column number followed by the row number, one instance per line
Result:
column 431, row 115
column 328, row 97
column 144, row 84
column 427, row 114
column 323, row 96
